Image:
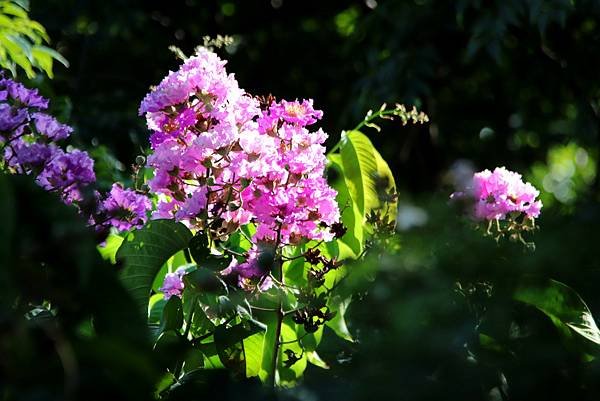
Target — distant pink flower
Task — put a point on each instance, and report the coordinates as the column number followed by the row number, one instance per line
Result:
column 501, row 192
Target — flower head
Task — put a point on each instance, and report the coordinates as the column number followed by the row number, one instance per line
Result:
column 221, row 161
column 173, row 283
column 502, row 192
column 125, row 208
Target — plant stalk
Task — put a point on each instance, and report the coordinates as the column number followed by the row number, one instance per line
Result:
column 279, row 313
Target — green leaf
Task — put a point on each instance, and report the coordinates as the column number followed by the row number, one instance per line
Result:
column 229, row 340
column 359, row 164
column 108, row 251
column 53, row 54
column 562, row 304
column 155, row 308
column 144, row 251
column 316, row 360
column 367, row 175
column 164, row 383
column 253, row 347
column 201, row 253
column 384, row 184
column 293, row 271
column 289, row 376
column 204, row 281
column 170, row 348
column 199, row 248
column 310, row 341
column 172, row 316
column 265, row 373
column 351, row 244
column 338, row 323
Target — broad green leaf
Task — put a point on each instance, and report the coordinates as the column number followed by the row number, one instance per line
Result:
column 211, row 357
column 108, row 251
column 310, row 341
column 253, row 347
column 351, row 244
column 359, row 164
column 289, row 376
column 170, row 348
column 338, row 323
column 204, row 281
column 172, row 316
column 53, row 54
column 293, row 271
column 144, row 251
column 229, row 340
column 266, row 368
column 164, row 383
column 316, row 360
column 159, row 278
column 385, row 184
column 367, row 175
column 562, row 304
column 155, row 308
column 42, row 60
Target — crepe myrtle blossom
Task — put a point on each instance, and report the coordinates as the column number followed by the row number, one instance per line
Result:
column 173, row 283
column 66, row 173
column 125, row 209
column 498, row 194
column 221, row 159
column 253, row 272
column 28, row 143
column 20, row 95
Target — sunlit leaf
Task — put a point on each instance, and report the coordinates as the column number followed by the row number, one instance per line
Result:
column 338, row 323
column 108, row 250
column 253, row 347
column 562, row 304
column 144, row 251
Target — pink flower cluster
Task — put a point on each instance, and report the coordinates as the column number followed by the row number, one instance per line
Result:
column 502, row 192
column 123, row 209
column 223, row 159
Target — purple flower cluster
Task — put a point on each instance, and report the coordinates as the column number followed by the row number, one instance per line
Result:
column 124, row 208
column 173, row 284
column 28, row 138
column 500, row 193
column 28, row 144
column 223, row 158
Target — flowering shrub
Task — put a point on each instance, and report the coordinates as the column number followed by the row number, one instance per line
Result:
column 247, row 234
column 244, row 238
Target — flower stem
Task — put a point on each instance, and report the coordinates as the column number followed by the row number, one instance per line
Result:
column 279, row 312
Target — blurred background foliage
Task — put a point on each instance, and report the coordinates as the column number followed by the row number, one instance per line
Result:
column 504, row 82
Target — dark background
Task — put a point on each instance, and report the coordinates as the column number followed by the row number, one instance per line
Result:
column 505, row 82
column 525, row 70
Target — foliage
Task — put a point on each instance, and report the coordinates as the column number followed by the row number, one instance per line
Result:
column 428, row 309
column 22, row 41
column 69, row 329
